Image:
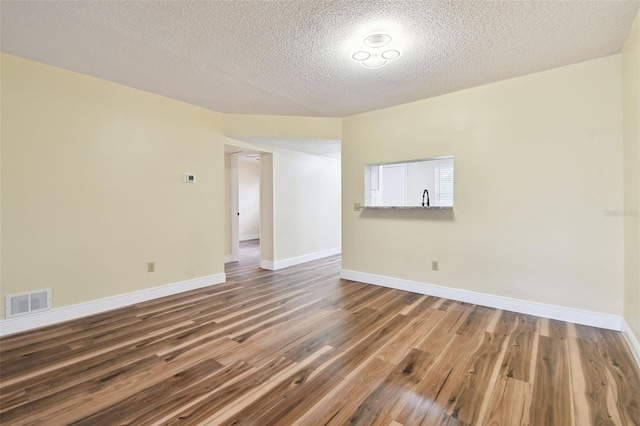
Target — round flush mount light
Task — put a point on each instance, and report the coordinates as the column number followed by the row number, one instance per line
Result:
column 373, row 55
column 391, row 54
column 376, row 61
column 377, row 40
column 361, row 56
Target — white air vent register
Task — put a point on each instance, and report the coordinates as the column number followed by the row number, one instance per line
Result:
column 27, row 303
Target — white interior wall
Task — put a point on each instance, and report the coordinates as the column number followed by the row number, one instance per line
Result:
column 249, row 198
column 227, row 207
column 306, row 204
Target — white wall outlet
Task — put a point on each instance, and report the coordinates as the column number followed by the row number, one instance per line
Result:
column 357, row 207
column 151, row 267
column 434, row 265
column 189, row 178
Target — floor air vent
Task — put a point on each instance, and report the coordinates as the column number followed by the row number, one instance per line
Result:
column 28, row 303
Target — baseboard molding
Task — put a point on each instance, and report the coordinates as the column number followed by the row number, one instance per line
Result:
column 595, row 319
column 228, row 258
column 267, row 264
column 292, row 261
column 632, row 340
column 66, row 313
column 249, row 237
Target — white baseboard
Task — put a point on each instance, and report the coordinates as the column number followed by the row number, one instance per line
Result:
column 249, row 237
column 267, row 264
column 632, row 340
column 228, row 258
column 66, row 313
column 595, row 319
column 292, row 261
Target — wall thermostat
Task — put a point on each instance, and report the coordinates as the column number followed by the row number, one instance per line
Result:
column 189, row 178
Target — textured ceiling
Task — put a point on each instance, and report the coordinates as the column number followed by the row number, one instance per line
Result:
column 294, row 57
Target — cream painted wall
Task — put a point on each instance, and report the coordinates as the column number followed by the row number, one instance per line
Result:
column 631, row 90
column 92, row 186
column 249, row 197
column 285, row 127
column 538, row 161
column 1, row 65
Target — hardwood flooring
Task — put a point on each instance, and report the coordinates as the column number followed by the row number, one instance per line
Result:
column 299, row 346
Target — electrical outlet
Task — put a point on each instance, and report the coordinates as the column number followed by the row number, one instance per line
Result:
column 151, row 267
column 357, row 207
column 434, row 265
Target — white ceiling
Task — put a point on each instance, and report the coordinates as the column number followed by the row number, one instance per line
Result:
column 294, row 57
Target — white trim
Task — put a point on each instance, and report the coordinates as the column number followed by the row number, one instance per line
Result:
column 249, row 237
column 235, row 207
column 66, row 313
column 595, row 319
column 228, row 258
column 292, row 261
column 632, row 340
column 267, row 264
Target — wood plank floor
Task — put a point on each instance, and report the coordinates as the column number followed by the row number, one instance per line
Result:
column 299, row 346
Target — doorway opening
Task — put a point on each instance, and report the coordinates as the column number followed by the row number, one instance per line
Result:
column 249, row 207
column 247, row 231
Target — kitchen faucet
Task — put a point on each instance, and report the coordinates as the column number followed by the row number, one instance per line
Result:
column 425, row 192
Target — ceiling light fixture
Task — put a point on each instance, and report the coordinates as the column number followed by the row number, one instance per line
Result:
column 374, row 56
column 361, row 56
column 377, row 40
column 376, row 61
column 391, row 54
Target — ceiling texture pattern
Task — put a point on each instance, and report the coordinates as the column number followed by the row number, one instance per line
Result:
column 294, row 57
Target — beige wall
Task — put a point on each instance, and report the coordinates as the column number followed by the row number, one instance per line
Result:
column 538, row 160
column 92, row 186
column 1, row 172
column 249, row 197
column 631, row 90
column 284, row 127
